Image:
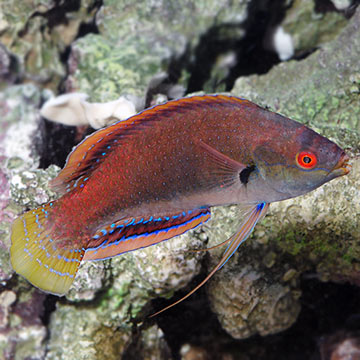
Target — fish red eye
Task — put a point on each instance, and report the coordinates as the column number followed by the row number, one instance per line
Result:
column 306, row 160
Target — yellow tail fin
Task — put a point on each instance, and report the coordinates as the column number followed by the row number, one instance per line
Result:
column 37, row 257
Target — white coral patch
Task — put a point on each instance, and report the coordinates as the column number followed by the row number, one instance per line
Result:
column 102, row 114
column 67, row 109
column 283, row 44
column 341, row 4
column 73, row 109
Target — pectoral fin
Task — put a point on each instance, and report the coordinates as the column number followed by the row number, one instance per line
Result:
column 223, row 171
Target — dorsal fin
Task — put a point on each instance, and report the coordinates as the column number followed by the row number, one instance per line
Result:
column 88, row 155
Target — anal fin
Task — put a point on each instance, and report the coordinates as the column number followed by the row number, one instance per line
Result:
column 135, row 233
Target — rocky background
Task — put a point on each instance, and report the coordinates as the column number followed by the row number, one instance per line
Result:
column 292, row 291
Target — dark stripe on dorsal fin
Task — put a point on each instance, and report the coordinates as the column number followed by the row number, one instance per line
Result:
column 131, row 234
column 89, row 154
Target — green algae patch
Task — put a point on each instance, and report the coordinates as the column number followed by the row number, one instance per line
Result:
column 313, row 247
column 104, row 71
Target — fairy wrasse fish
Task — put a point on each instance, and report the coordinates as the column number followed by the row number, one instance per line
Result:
column 157, row 175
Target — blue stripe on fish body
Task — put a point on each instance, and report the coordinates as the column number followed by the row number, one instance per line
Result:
column 131, row 222
column 150, row 233
column 98, row 247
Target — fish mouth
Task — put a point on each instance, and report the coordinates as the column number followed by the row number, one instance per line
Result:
column 342, row 167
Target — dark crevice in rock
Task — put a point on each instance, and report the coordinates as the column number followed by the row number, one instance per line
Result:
column 84, row 29
column 87, row 28
column 135, row 348
column 30, row 310
column 49, row 307
column 169, row 79
column 58, row 141
column 55, row 143
column 191, row 321
column 96, row 5
column 9, row 67
column 57, row 14
column 326, row 308
column 211, row 45
column 304, row 54
column 253, row 52
column 177, row 64
column 324, row 6
column 64, row 55
column 90, row 27
column 329, row 306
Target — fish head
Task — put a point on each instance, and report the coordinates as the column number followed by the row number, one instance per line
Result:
column 298, row 161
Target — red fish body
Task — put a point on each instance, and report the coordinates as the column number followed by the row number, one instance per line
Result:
column 157, row 174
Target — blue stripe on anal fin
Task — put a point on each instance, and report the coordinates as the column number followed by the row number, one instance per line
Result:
column 135, row 233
